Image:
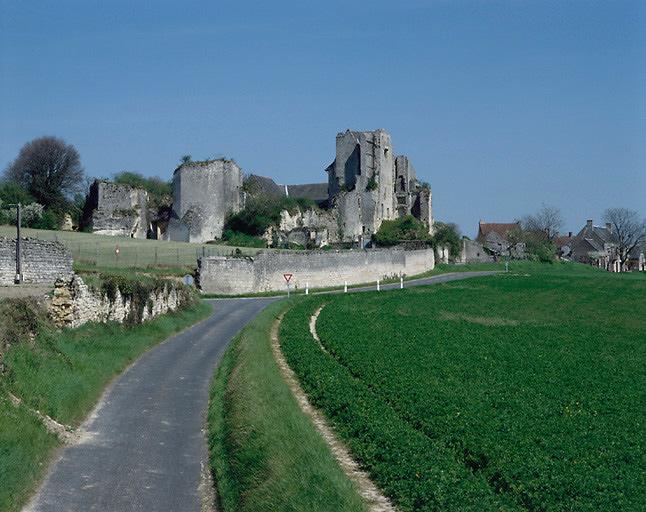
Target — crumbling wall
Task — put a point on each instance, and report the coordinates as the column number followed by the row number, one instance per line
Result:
column 367, row 184
column 474, row 252
column 204, row 193
column 119, row 210
column 74, row 303
column 42, row 261
column 311, row 227
column 264, row 272
column 361, row 183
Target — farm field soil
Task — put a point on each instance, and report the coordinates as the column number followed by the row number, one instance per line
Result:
column 511, row 392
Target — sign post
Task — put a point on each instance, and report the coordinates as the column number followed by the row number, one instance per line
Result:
column 288, row 278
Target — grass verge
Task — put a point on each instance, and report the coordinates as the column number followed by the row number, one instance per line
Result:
column 265, row 453
column 62, row 374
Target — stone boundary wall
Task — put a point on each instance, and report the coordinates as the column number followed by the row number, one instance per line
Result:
column 42, row 261
column 74, row 303
column 264, row 272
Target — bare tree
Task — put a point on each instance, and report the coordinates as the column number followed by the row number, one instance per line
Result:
column 49, row 169
column 547, row 222
column 628, row 229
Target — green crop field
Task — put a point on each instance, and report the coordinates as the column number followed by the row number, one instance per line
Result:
column 90, row 250
column 522, row 391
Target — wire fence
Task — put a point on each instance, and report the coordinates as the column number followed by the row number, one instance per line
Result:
column 106, row 251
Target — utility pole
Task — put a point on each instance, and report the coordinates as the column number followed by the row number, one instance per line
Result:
column 18, row 265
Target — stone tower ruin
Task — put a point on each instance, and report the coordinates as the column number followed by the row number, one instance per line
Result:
column 367, row 184
column 204, row 193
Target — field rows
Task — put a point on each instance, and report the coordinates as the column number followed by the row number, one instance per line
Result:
column 507, row 393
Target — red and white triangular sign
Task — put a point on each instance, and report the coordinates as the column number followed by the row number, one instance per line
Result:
column 287, row 277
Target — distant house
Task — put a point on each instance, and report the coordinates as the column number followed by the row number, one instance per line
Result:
column 563, row 245
column 637, row 258
column 498, row 239
column 596, row 245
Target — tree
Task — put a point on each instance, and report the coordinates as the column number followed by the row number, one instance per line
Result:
column 547, row 222
column 448, row 234
column 13, row 193
column 49, row 169
column 187, row 159
column 627, row 228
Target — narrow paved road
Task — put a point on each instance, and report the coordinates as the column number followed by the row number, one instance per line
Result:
column 144, row 447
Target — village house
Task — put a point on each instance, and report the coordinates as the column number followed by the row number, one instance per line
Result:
column 595, row 245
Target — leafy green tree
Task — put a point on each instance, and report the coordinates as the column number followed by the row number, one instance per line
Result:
column 14, row 193
column 448, row 234
column 49, row 169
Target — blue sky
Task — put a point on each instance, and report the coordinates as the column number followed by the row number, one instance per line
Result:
column 501, row 106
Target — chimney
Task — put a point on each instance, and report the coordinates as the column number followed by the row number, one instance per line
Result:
column 609, row 227
column 569, row 234
column 589, row 224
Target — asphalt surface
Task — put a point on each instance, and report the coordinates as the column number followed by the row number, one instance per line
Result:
column 144, row 446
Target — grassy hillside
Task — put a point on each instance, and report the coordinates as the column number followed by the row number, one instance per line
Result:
column 90, row 250
column 513, row 392
column 265, row 453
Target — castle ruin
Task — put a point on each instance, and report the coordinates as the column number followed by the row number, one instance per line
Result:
column 204, row 193
column 117, row 210
column 367, row 183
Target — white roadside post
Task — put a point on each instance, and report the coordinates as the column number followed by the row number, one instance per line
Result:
column 345, row 287
column 378, row 289
column 307, row 288
column 401, row 283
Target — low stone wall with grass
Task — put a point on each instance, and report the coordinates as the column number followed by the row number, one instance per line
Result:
column 264, row 272
column 42, row 261
column 114, row 299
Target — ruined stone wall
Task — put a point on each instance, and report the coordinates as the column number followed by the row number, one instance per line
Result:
column 305, row 227
column 74, row 303
column 474, row 252
column 361, row 183
column 42, row 261
column 119, row 210
column 264, row 272
column 204, row 193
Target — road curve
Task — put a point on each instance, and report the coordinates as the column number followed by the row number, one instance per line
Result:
column 144, row 447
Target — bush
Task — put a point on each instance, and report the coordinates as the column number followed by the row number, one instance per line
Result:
column 159, row 191
column 48, row 220
column 238, row 239
column 20, row 320
column 262, row 212
column 404, row 229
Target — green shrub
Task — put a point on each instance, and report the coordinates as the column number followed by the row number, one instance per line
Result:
column 447, row 234
column 21, row 320
column 403, row 229
column 262, row 212
column 238, row 239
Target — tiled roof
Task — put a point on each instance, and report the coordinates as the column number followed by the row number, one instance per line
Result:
column 502, row 229
column 314, row 191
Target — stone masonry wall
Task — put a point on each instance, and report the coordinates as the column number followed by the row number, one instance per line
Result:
column 264, row 272
column 119, row 210
column 75, row 304
column 204, row 193
column 42, row 261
